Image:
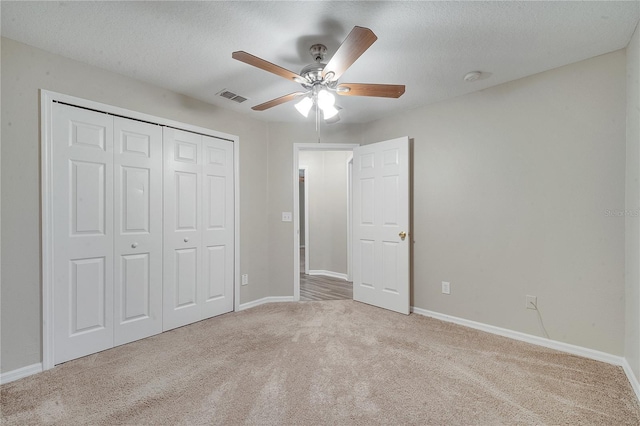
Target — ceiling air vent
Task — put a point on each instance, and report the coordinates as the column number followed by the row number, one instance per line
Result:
column 231, row 96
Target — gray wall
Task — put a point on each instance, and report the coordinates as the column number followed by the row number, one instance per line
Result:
column 327, row 185
column 24, row 71
column 632, row 296
column 512, row 185
column 511, row 189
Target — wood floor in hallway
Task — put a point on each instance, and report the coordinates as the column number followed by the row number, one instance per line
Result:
column 320, row 287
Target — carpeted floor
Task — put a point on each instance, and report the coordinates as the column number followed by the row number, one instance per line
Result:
column 335, row 362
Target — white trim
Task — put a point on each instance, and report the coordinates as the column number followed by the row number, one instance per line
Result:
column 540, row 341
column 331, row 274
column 271, row 299
column 297, row 147
column 296, row 225
column 236, row 219
column 46, row 142
column 20, row 373
column 635, row 384
column 529, row 338
column 46, row 100
column 307, row 255
column 349, row 219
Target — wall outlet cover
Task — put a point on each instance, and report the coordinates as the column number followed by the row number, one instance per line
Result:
column 532, row 302
column 446, row 287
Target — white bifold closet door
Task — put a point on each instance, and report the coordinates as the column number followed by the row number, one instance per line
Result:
column 83, row 232
column 137, row 207
column 107, row 257
column 198, row 227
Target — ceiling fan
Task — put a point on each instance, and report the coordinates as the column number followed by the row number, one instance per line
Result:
column 320, row 80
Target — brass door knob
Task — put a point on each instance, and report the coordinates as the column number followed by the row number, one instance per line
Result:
column 403, row 235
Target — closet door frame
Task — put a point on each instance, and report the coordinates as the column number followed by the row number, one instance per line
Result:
column 47, row 99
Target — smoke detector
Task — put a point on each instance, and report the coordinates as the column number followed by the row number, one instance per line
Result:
column 472, row 76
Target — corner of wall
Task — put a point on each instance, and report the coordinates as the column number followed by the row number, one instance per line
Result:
column 632, row 207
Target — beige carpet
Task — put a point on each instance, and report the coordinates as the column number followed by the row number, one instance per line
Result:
column 336, row 362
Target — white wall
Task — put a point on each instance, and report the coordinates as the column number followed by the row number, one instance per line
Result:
column 327, row 199
column 24, row 71
column 511, row 189
column 632, row 230
column 282, row 136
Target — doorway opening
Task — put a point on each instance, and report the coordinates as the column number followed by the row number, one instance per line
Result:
column 322, row 216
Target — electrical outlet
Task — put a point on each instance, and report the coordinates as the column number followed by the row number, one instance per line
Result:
column 532, row 302
column 287, row 216
column 245, row 279
column 446, row 287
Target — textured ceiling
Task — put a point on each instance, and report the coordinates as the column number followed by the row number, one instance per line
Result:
column 428, row 46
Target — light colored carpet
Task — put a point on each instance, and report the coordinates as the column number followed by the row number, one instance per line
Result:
column 335, row 362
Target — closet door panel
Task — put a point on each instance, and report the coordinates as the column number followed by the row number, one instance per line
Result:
column 216, row 295
column 182, row 228
column 82, row 231
column 138, row 229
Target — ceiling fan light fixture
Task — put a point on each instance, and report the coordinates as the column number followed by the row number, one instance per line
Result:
column 325, row 99
column 329, row 112
column 304, row 106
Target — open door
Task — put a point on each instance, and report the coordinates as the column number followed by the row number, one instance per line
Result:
column 381, row 224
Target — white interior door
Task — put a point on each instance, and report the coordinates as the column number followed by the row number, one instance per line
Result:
column 381, row 224
column 182, row 227
column 83, row 232
column 216, row 292
column 138, row 230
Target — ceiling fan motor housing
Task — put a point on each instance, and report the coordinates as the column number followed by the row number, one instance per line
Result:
column 313, row 72
column 318, row 51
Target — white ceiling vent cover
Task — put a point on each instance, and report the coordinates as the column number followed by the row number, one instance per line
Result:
column 231, row 96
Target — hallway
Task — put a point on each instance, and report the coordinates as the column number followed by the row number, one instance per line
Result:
column 320, row 287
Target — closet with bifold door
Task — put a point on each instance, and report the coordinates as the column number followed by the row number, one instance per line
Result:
column 143, row 229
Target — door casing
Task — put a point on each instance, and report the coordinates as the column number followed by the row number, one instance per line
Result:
column 297, row 147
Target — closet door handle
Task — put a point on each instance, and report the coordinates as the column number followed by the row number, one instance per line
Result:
column 186, row 240
column 134, row 245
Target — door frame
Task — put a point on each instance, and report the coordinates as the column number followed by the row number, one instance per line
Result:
column 297, row 147
column 47, row 99
column 306, row 217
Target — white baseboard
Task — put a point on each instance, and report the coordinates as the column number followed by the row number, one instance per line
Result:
column 540, row 341
column 635, row 384
column 19, row 373
column 264, row 300
column 331, row 274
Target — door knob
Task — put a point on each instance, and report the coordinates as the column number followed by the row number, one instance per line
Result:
column 186, row 240
column 134, row 245
column 403, row 235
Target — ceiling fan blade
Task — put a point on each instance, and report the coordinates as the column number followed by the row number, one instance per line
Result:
column 277, row 101
column 250, row 59
column 356, row 43
column 376, row 90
